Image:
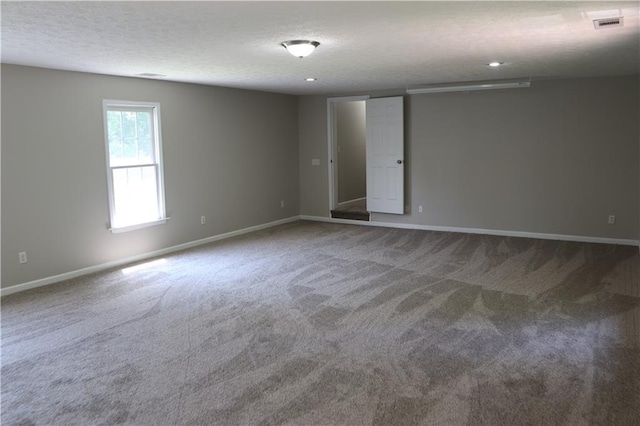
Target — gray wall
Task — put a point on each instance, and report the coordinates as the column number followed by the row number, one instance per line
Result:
column 312, row 138
column 230, row 155
column 351, row 138
column 556, row 158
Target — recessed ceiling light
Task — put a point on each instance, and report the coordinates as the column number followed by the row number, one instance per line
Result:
column 495, row 64
column 151, row 75
column 310, row 79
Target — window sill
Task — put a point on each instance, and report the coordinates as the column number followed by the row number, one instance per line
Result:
column 138, row 226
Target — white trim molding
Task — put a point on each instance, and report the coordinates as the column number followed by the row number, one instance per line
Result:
column 470, row 85
column 132, row 259
column 497, row 232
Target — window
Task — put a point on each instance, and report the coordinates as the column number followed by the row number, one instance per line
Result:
column 134, row 164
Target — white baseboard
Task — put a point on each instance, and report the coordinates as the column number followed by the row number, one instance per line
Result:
column 498, row 232
column 120, row 262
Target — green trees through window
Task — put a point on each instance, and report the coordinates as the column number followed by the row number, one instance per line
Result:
column 130, row 137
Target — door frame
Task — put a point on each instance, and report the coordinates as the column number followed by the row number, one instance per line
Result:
column 332, row 140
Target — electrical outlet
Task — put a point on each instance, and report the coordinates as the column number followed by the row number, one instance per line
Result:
column 282, row 203
column 419, row 209
column 22, row 257
column 203, row 220
column 612, row 219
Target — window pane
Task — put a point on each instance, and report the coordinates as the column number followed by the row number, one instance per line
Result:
column 135, row 195
column 114, row 134
column 130, row 150
column 130, row 135
column 114, row 122
column 145, row 144
column 128, row 125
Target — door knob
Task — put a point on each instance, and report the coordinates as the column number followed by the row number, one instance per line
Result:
column 399, row 161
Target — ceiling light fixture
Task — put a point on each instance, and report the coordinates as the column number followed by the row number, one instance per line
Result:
column 310, row 79
column 151, row 75
column 470, row 85
column 300, row 48
column 495, row 64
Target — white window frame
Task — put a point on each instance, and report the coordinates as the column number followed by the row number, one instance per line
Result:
column 154, row 107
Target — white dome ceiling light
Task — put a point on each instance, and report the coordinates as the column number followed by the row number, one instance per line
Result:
column 300, row 48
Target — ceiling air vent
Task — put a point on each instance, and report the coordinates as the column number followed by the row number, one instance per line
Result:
column 607, row 23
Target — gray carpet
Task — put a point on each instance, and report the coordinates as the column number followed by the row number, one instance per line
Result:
column 312, row 323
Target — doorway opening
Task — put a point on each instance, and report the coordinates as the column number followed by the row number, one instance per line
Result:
column 347, row 147
column 366, row 156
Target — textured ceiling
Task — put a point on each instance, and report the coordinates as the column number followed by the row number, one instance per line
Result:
column 365, row 46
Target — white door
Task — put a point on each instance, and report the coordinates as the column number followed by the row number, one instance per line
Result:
column 385, row 155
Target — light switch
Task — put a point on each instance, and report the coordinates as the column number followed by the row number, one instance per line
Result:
column 315, row 162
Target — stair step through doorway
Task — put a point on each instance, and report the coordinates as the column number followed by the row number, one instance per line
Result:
column 353, row 210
